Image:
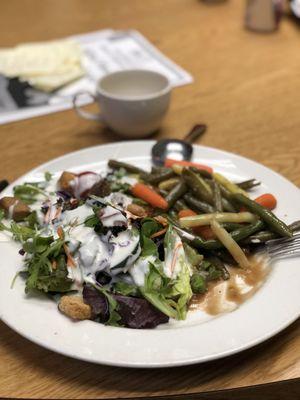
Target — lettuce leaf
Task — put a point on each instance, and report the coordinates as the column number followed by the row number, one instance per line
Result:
column 112, row 316
column 149, row 227
column 30, row 192
column 41, row 276
column 125, row 289
column 20, row 232
column 194, row 258
column 115, row 309
column 167, row 285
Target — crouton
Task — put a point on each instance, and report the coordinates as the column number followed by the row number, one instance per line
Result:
column 75, row 308
column 14, row 208
column 137, row 210
column 66, row 182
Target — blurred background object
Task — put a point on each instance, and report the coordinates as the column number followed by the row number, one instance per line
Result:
column 132, row 102
column 263, row 15
column 295, row 8
column 213, row 1
column 46, row 66
column 42, row 77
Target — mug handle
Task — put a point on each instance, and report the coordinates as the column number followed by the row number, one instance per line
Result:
column 85, row 114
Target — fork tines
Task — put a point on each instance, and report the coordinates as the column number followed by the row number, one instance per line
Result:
column 284, row 247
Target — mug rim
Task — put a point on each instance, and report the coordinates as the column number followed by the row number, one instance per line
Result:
column 159, row 93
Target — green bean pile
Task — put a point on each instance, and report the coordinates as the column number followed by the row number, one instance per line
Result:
column 212, row 197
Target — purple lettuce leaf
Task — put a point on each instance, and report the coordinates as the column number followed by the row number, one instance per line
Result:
column 97, row 301
column 134, row 312
column 138, row 313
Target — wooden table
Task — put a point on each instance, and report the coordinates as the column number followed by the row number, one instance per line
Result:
column 246, row 89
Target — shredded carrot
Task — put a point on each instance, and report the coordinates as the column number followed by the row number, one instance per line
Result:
column 57, row 212
column 60, row 232
column 169, row 162
column 70, row 259
column 179, row 245
column 159, row 233
column 48, row 213
column 162, row 220
column 149, row 195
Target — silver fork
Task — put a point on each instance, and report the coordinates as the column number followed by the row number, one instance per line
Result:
column 284, row 247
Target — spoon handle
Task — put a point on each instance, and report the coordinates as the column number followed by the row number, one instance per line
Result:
column 197, row 131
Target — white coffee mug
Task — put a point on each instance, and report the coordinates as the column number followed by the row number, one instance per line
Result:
column 132, row 102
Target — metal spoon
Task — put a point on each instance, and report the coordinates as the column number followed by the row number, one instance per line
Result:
column 175, row 148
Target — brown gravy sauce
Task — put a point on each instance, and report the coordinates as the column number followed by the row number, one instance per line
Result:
column 219, row 293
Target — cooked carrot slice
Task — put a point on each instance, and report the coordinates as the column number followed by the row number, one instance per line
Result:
column 169, row 162
column 149, row 195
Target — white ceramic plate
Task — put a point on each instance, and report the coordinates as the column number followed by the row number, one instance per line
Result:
column 271, row 309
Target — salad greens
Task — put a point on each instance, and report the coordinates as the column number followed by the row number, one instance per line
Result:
column 132, row 257
column 30, row 192
column 46, row 267
column 169, row 294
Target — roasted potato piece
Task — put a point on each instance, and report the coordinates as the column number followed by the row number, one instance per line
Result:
column 101, row 189
column 75, row 308
column 65, row 182
column 14, row 208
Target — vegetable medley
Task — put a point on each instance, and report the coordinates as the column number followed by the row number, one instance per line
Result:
column 130, row 247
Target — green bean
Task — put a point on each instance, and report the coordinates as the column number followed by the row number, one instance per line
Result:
column 274, row 223
column 231, row 226
column 249, row 184
column 173, row 219
column 180, row 205
column 162, row 176
column 227, row 206
column 168, row 184
column 264, row 236
column 198, row 205
column 217, row 196
column 225, row 196
column 172, row 214
column 163, row 192
column 206, row 219
column 260, row 237
column 230, row 186
column 176, row 193
column 238, row 235
column 225, row 193
column 202, row 172
column 198, row 185
column 115, row 164
column 224, row 256
column 158, row 170
column 230, row 244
